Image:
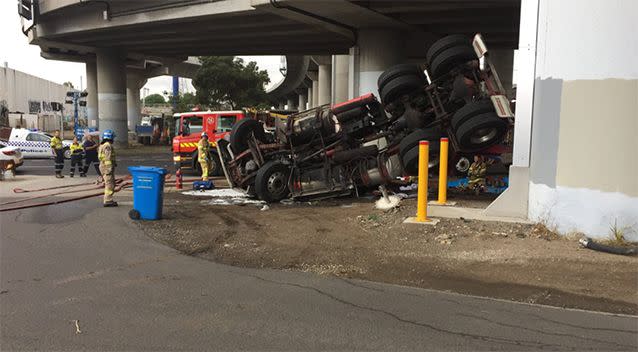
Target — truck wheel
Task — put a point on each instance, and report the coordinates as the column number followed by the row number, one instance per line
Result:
column 215, row 167
column 410, row 159
column 400, row 86
column 481, row 131
column 445, row 43
column 432, row 135
column 242, row 130
column 271, row 182
column 450, row 58
column 398, row 71
column 67, row 153
column 471, row 109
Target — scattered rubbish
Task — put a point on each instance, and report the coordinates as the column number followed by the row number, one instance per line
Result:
column 589, row 243
column 265, row 207
column 445, row 238
column 386, row 202
column 410, row 187
column 464, row 219
column 77, row 326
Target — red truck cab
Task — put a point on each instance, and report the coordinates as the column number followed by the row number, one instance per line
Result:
column 188, row 130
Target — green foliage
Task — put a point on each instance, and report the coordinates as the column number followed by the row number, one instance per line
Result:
column 228, row 82
column 185, row 102
column 154, row 99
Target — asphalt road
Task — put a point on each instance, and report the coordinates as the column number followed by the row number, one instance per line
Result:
column 43, row 167
column 78, row 262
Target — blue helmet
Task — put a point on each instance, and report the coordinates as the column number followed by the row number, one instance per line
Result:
column 108, row 134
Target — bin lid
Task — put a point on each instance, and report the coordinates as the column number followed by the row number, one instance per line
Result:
column 148, row 169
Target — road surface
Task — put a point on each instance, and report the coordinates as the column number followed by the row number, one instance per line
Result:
column 79, row 262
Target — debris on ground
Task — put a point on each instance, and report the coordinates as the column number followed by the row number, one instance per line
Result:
column 503, row 260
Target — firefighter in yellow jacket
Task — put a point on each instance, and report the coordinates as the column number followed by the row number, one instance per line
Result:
column 203, row 155
column 106, row 155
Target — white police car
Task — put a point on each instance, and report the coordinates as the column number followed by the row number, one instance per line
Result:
column 35, row 144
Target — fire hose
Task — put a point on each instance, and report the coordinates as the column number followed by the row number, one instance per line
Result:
column 121, row 183
column 588, row 243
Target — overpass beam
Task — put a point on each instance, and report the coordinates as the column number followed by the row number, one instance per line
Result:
column 111, row 88
column 339, row 78
column 325, row 84
column 91, row 99
column 377, row 50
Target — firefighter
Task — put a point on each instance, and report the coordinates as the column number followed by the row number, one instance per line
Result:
column 58, row 152
column 76, row 157
column 106, row 155
column 476, row 174
column 203, row 155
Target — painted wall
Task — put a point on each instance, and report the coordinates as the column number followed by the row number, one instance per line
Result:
column 583, row 164
column 20, row 90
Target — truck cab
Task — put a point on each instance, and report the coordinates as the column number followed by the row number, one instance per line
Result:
column 188, row 130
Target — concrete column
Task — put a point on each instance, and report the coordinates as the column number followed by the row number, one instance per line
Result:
column 91, row 99
column 133, row 103
column 291, row 103
column 503, row 60
column 378, row 49
column 310, row 97
column 339, row 78
column 302, row 102
column 325, row 84
column 111, row 88
column 315, row 93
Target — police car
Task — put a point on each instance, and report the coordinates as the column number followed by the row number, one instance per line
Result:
column 34, row 144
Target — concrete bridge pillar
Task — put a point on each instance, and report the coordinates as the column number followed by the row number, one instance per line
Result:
column 339, row 78
column 315, row 93
column 91, row 99
column 310, row 97
column 325, row 84
column 134, row 82
column 291, row 103
column 377, row 50
column 111, row 88
column 302, row 102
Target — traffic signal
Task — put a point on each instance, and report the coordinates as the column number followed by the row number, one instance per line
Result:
column 25, row 9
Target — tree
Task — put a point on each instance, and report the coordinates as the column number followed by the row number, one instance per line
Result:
column 68, row 84
column 225, row 81
column 154, row 99
column 185, row 102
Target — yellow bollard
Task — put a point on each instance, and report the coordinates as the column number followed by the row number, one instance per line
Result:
column 422, row 195
column 443, row 172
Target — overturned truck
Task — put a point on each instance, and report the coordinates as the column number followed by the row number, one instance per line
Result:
column 335, row 150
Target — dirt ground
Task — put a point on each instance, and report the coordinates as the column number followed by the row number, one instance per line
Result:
column 349, row 238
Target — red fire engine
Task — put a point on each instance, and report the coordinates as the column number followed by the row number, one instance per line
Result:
column 188, row 129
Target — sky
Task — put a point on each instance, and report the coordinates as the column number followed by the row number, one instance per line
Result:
column 16, row 51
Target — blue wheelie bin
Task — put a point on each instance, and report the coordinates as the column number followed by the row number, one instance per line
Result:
column 148, row 192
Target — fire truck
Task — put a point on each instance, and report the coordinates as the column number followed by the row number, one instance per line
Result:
column 188, row 129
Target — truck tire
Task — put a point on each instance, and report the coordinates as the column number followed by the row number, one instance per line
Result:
column 271, row 182
column 481, row 131
column 410, row 159
column 445, row 43
column 471, row 109
column 432, row 135
column 450, row 58
column 398, row 71
column 67, row 153
column 242, row 130
column 399, row 86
